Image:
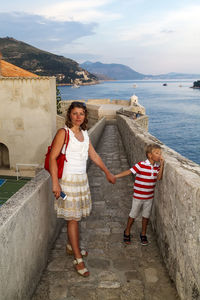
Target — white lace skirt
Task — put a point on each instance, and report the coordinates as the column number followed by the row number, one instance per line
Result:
column 78, row 202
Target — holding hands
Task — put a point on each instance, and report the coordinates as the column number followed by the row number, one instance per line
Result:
column 111, row 178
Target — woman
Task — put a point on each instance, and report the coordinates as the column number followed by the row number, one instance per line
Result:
column 74, row 182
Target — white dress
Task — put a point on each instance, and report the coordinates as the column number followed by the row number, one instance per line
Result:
column 74, row 181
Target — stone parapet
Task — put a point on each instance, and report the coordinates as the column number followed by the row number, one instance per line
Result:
column 96, row 131
column 143, row 121
column 175, row 216
column 28, row 228
column 99, row 108
column 60, row 122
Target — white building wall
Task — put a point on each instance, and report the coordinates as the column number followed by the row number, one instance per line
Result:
column 27, row 117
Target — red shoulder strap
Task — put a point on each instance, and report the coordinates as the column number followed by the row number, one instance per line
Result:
column 67, row 141
column 65, row 136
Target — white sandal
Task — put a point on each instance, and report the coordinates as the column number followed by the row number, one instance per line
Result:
column 83, row 272
column 70, row 251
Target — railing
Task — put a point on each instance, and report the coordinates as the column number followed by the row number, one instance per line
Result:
column 24, row 165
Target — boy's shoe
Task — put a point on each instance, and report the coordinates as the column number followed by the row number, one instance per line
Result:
column 144, row 240
column 127, row 238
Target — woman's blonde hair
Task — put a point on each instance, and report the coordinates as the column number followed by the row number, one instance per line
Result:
column 78, row 104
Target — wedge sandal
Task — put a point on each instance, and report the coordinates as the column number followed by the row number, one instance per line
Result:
column 70, row 251
column 83, row 272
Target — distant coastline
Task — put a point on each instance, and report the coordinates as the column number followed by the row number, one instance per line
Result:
column 80, row 84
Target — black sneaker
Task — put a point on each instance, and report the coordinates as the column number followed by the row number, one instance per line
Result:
column 127, row 238
column 144, row 240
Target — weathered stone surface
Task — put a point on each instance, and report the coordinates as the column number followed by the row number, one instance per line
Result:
column 117, row 271
column 151, row 275
column 98, row 263
column 133, row 290
column 109, row 284
column 108, row 294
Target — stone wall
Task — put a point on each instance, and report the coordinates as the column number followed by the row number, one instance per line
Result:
column 109, row 101
column 27, row 118
column 60, row 122
column 99, row 108
column 175, row 215
column 28, row 227
column 143, row 121
column 96, row 131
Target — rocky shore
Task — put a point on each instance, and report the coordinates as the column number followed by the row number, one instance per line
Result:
column 80, row 83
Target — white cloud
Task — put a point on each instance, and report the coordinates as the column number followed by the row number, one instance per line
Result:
column 42, row 32
column 79, row 11
column 173, row 25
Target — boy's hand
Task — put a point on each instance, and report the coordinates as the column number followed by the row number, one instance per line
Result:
column 162, row 161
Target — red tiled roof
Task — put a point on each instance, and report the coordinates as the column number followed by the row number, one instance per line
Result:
column 10, row 70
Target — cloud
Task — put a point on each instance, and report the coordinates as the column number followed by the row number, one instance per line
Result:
column 175, row 24
column 77, row 10
column 42, row 32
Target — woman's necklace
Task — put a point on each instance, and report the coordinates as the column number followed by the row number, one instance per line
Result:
column 78, row 135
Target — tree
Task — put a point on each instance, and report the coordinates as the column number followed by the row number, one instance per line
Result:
column 58, row 99
column 196, row 84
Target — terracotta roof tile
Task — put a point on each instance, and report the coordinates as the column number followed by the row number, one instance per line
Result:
column 10, row 70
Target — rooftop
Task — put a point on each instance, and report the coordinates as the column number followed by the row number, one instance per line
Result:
column 10, row 70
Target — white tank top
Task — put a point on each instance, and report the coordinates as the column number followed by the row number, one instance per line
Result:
column 76, row 154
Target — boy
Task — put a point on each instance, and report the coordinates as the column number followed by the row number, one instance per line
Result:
column 147, row 173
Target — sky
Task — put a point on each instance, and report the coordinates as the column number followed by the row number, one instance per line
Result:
column 150, row 36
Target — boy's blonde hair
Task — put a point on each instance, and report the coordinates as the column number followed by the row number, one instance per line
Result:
column 151, row 147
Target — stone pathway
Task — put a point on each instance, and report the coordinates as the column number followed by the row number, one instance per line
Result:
column 117, row 271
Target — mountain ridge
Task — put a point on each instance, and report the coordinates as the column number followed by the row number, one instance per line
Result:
column 112, row 71
column 123, row 72
column 68, row 71
column 43, row 63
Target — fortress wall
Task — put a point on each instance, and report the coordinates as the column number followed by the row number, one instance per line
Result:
column 120, row 102
column 175, row 216
column 99, row 101
column 93, row 114
column 96, row 131
column 143, row 121
column 95, row 134
column 60, row 122
column 28, row 228
column 27, row 115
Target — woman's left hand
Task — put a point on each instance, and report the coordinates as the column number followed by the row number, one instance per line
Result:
column 56, row 189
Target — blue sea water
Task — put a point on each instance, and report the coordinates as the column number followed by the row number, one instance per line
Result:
column 173, row 110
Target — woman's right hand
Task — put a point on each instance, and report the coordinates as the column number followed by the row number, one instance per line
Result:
column 56, row 190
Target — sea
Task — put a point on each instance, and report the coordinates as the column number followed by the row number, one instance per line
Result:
column 173, row 109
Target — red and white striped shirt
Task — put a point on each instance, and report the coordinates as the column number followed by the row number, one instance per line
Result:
column 145, row 180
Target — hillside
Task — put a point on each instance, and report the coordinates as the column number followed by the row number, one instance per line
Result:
column 112, row 71
column 44, row 63
column 174, row 75
column 123, row 72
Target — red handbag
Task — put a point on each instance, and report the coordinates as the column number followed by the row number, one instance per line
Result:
column 60, row 159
